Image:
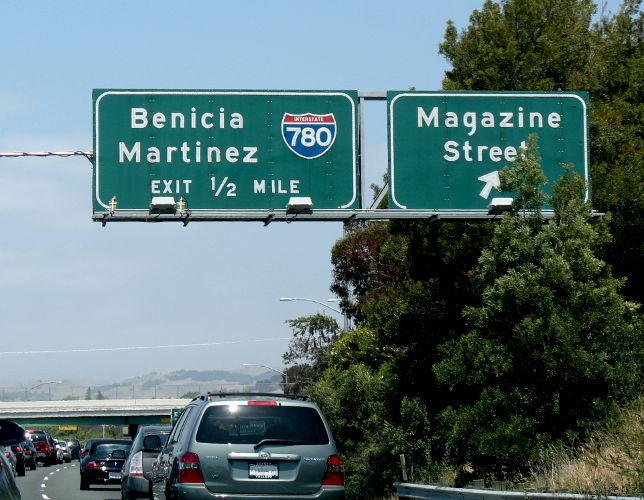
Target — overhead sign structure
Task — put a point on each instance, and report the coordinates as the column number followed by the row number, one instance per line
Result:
column 212, row 150
column 446, row 148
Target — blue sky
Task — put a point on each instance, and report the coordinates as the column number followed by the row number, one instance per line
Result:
column 72, row 287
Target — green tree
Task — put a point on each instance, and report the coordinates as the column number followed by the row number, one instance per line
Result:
column 553, row 346
column 406, row 284
column 551, row 45
column 615, row 79
column 312, row 335
column 359, row 270
column 520, row 45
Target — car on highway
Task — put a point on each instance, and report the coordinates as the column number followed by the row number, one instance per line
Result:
column 45, row 446
column 136, row 471
column 10, row 434
column 103, row 461
column 29, row 453
column 19, row 458
column 249, row 446
column 74, row 446
column 59, row 452
column 11, row 458
column 64, row 451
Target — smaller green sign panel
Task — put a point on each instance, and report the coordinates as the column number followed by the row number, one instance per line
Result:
column 225, row 150
column 446, row 148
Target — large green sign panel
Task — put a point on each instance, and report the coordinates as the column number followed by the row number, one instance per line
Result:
column 225, row 150
column 446, row 148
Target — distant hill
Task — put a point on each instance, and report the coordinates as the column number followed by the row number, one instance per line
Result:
column 184, row 383
column 176, row 384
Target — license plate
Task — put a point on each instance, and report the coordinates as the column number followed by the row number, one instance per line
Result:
column 263, row 470
column 114, row 475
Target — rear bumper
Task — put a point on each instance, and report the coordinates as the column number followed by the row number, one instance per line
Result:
column 99, row 477
column 136, row 484
column 200, row 492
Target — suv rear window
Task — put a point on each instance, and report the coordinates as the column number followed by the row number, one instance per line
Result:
column 37, row 436
column 242, row 424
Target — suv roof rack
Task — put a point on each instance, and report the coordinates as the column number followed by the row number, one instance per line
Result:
column 213, row 395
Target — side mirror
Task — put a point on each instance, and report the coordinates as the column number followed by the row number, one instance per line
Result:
column 10, row 433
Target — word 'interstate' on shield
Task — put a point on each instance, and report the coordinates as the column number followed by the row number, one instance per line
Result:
column 446, row 148
column 223, row 150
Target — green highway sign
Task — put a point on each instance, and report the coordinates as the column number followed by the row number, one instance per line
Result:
column 175, row 413
column 446, row 148
column 218, row 150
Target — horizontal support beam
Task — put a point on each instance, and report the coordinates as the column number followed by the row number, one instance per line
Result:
column 268, row 216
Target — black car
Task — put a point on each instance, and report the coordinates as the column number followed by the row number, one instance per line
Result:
column 19, row 455
column 29, row 452
column 10, row 435
column 103, row 461
column 145, row 448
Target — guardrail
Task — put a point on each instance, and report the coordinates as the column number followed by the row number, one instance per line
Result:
column 424, row 491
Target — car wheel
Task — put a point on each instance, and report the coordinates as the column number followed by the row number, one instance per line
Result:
column 33, row 466
column 84, row 485
column 21, row 470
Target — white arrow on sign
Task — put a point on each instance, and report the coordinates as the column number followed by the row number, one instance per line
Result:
column 491, row 181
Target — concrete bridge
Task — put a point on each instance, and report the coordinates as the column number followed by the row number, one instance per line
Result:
column 130, row 412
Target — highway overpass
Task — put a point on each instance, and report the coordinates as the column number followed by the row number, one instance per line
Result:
column 130, row 412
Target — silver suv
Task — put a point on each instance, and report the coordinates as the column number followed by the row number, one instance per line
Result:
column 260, row 446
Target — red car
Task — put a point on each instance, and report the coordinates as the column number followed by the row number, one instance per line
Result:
column 45, row 446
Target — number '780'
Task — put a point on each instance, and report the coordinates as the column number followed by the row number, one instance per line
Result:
column 309, row 136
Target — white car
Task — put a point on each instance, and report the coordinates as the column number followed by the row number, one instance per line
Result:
column 66, row 455
column 59, row 452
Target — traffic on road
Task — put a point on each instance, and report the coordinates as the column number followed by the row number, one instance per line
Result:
column 242, row 445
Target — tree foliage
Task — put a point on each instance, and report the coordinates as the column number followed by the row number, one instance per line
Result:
column 553, row 346
column 311, row 335
column 615, row 79
column 520, row 45
column 479, row 344
column 551, row 45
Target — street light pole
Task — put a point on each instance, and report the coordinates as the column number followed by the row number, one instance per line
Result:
column 346, row 321
column 42, row 384
column 283, row 373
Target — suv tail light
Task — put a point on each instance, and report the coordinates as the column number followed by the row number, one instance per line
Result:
column 190, row 469
column 334, row 475
column 136, row 464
